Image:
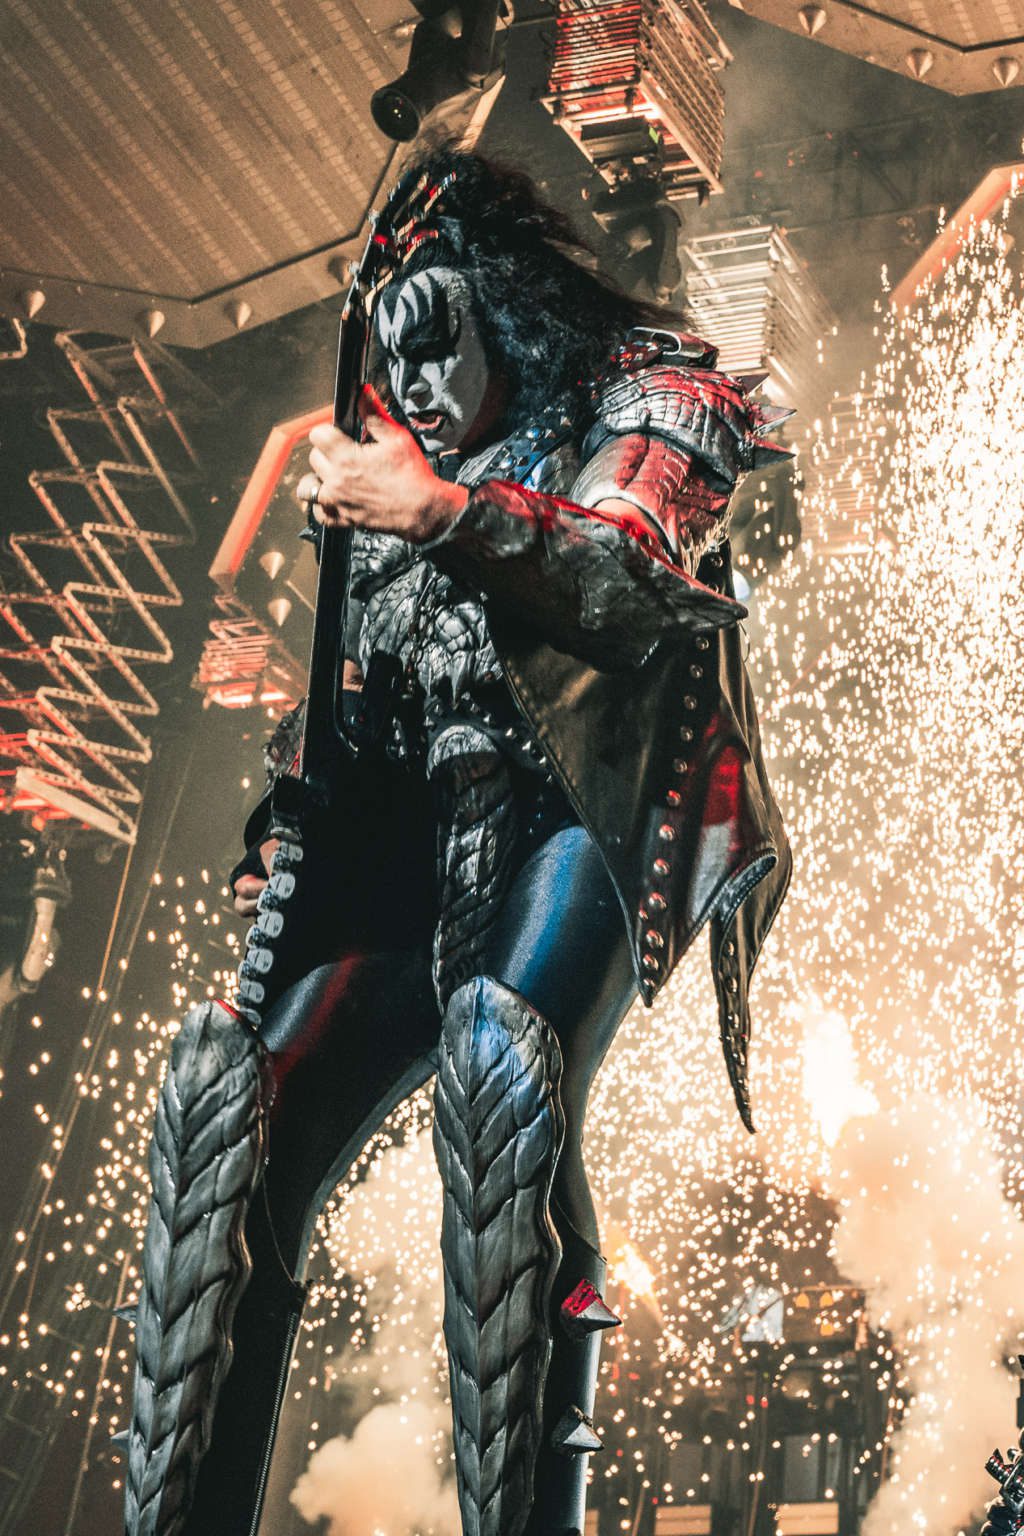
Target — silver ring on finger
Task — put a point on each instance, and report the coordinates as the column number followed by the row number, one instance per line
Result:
column 313, row 498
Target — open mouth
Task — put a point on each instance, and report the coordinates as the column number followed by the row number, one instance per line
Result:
column 426, row 422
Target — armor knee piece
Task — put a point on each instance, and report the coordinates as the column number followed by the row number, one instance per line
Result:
column 205, row 1159
column 497, row 1133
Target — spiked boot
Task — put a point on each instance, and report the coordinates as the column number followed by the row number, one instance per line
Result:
column 578, row 1316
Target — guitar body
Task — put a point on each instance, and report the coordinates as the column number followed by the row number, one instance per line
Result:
column 348, row 872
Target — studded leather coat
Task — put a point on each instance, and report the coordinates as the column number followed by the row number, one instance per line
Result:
column 619, row 642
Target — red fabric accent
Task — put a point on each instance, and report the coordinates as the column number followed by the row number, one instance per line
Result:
column 318, row 1021
column 580, row 1299
column 724, row 796
column 546, row 509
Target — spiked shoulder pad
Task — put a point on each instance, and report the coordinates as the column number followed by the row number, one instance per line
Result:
column 707, row 415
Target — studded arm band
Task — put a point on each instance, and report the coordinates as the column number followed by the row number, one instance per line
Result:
column 598, row 586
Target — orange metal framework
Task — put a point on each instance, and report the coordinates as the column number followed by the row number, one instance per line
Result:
column 1001, row 182
column 283, row 439
column 74, row 709
column 244, row 661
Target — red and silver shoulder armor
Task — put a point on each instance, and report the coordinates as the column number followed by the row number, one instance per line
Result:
column 664, row 384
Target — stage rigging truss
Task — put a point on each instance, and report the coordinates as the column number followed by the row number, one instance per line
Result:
column 748, row 290
column 637, row 84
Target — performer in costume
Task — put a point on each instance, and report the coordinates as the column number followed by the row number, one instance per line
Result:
column 541, row 564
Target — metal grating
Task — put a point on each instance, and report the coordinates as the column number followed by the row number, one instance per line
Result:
column 636, row 84
column 963, row 23
column 749, row 293
column 186, row 146
column 191, row 169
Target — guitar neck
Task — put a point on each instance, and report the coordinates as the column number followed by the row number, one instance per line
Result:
column 323, row 740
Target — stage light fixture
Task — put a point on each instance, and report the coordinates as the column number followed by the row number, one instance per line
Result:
column 453, row 51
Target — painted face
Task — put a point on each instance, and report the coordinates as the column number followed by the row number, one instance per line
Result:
column 435, row 357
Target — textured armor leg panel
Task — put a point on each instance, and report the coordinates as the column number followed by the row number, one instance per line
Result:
column 478, row 817
column 497, row 1133
column 205, row 1159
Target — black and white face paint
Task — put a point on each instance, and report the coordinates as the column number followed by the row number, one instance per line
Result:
column 435, row 357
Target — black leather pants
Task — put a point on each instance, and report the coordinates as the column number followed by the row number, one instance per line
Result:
column 351, row 1040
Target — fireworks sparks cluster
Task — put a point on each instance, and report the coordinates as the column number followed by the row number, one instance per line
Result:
column 887, row 1061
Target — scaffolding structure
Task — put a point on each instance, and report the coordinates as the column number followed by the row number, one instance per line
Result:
column 82, row 630
column 636, row 84
column 749, row 293
column 244, row 662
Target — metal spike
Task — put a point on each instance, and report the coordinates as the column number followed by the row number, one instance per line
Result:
column 128, row 1313
column 273, row 563
column 31, row 301
column 766, row 454
column 773, row 416
column 574, row 1434
column 152, row 321
column 119, row 1442
column 1006, row 69
column 751, row 382
column 239, row 312
column 584, row 1312
column 920, row 62
column 812, row 19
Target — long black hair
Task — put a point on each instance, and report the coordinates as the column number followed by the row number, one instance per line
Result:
column 548, row 321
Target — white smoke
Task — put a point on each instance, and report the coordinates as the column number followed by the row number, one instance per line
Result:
column 927, row 1231
column 392, row 1474
column 384, row 1480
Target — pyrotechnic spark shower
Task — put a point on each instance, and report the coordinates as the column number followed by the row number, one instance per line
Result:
column 893, row 688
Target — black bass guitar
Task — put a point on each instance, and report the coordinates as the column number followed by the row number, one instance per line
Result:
column 342, row 773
